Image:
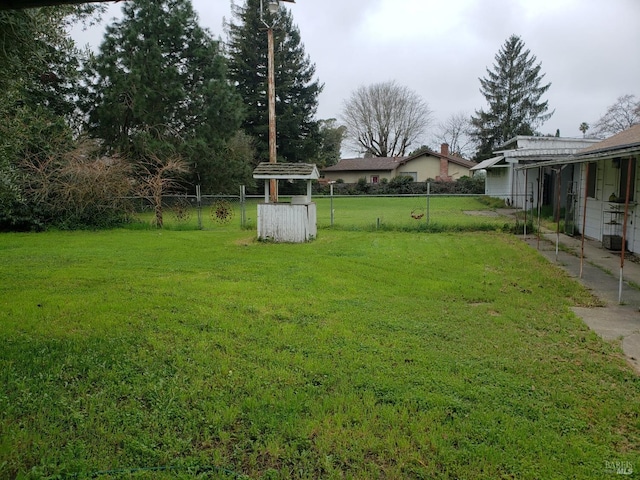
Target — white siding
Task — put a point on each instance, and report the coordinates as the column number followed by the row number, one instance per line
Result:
column 498, row 183
column 283, row 222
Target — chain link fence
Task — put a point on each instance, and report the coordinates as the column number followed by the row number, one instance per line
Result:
column 193, row 211
column 427, row 212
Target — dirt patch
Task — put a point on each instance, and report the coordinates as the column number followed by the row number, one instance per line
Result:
column 481, row 213
column 500, row 212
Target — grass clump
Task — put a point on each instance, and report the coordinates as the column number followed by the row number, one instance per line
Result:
column 360, row 355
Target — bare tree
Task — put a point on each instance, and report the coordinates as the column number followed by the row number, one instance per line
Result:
column 384, row 119
column 624, row 113
column 78, row 188
column 456, row 132
column 159, row 177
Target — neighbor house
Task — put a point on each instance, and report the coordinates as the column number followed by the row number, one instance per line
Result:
column 421, row 167
column 525, row 188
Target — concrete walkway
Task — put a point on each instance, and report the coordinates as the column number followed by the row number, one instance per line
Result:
column 601, row 268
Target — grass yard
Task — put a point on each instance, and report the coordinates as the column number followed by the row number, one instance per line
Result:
column 407, row 213
column 181, row 354
column 361, row 213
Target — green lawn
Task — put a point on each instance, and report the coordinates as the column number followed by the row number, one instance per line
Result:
column 364, row 213
column 359, row 355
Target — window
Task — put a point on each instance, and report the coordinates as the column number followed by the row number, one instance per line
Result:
column 413, row 175
column 592, row 176
column 375, row 178
column 624, row 171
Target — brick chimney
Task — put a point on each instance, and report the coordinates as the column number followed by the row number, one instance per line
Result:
column 444, row 163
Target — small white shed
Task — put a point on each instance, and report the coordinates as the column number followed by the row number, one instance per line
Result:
column 293, row 222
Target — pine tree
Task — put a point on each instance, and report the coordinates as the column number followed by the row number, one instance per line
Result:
column 298, row 138
column 513, row 90
column 159, row 88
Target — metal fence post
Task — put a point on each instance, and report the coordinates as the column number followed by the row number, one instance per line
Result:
column 243, row 209
column 199, row 203
column 428, row 199
column 331, row 202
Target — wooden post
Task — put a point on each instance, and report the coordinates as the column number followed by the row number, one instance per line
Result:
column 272, row 112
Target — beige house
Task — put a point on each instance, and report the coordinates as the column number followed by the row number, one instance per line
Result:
column 421, row 167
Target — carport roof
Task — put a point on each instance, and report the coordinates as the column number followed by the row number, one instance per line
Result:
column 490, row 162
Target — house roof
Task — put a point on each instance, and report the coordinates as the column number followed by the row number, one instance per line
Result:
column 286, row 171
column 388, row 164
column 452, row 159
column 624, row 143
column 365, row 164
column 628, row 138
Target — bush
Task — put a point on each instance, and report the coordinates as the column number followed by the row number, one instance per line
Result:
column 403, row 185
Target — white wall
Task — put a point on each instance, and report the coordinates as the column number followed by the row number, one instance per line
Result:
column 498, row 183
column 607, row 182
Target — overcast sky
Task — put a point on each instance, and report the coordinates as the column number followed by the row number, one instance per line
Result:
column 589, row 49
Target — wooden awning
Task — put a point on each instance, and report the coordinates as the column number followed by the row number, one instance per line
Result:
column 286, row 171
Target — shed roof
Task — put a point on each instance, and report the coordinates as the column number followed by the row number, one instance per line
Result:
column 286, row 171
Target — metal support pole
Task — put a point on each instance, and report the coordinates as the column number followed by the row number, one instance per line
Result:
column 584, row 217
column 558, row 199
column 526, row 179
column 540, row 186
column 624, row 227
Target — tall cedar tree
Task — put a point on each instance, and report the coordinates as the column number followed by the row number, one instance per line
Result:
column 159, row 88
column 513, row 90
column 298, row 138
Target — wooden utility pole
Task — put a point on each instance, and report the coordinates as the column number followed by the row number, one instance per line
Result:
column 271, row 94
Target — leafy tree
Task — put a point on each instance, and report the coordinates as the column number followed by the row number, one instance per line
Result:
column 331, row 137
column 158, row 88
column 624, row 113
column 298, row 138
column 513, row 91
column 384, row 119
column 38, row 78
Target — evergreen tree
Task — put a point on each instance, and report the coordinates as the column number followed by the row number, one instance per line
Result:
column 331, row 137
column 513, row 90
column 298, row 138
column 159, row 89
column 38, row 88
